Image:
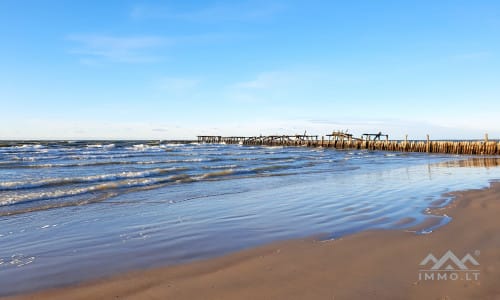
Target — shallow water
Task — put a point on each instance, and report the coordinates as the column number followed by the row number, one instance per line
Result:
column 76, row 210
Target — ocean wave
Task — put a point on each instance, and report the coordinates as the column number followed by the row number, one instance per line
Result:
column 29, row 146
column 50, row 195
column 215, row 174
column 272, row 168
column 220, row 167
column 16, row 185
column 126, row 185
column 182, row 178
column 112, row 155
column 21, row 165
column 284, row 158
column 33, row 158
column 98, row 197
column 142, row 147
column 101, row 146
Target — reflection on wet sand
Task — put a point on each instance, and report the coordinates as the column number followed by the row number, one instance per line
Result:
column 475, row 162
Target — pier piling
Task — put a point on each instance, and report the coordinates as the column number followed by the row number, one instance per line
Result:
column 341, row 140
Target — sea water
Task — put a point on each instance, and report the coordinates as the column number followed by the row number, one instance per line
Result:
column 76, row 210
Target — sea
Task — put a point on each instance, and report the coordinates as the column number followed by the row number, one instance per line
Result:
column 77, row 210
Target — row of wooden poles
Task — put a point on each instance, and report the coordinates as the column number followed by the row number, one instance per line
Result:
column 484, row 147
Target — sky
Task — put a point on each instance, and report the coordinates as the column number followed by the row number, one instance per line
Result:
column 122, row 69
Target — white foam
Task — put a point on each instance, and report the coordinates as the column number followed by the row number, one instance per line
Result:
column 214, row 174
column 36, row 196
column 101, row 146
column 94, row 146
column 29, row 146
column 15, row 185
column 144, row 147
column 221, row 167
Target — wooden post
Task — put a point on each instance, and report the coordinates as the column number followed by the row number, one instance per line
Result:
column 485, row 137
column 428, row 144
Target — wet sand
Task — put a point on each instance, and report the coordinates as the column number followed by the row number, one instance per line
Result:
column 368, row 265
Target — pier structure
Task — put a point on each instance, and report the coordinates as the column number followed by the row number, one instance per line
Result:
column 376, row 136
column 343, row 140
column 340, row 135
column 209, row 139
column 281, row 140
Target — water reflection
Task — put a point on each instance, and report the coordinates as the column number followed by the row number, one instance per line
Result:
column 473, row 162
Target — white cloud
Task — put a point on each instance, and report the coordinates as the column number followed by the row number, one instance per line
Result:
column 129, row 49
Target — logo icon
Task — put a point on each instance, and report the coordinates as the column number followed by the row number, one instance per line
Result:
column 449, row 267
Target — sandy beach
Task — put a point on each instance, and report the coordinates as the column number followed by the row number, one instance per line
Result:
column 368, row 265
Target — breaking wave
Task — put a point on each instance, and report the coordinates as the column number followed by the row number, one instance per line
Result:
column 15, row 185
column 60, row 174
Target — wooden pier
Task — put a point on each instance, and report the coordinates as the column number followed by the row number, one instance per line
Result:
column 341, row 140
column 209, row 139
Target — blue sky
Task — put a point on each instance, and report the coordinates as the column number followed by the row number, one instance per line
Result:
column 175, row 69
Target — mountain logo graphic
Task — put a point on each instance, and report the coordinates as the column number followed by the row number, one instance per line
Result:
column 449, row 261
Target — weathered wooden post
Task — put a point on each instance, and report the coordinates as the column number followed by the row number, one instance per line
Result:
column 428, row 144
column 485, row 137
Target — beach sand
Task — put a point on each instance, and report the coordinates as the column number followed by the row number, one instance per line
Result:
column 368, row 265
